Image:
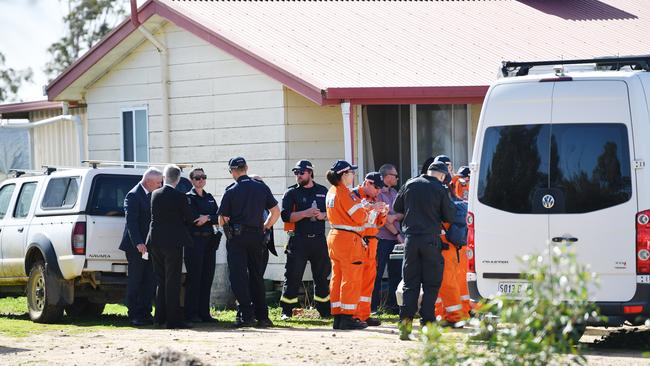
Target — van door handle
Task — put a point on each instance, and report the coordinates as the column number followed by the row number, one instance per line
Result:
column 559, row 239
column 20, row 230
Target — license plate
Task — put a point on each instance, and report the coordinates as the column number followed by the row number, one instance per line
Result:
column 512, row 288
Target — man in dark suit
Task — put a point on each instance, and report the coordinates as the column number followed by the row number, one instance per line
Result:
column 140, row 283
column 170, row 216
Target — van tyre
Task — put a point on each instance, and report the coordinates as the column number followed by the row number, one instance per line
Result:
column 83, row 308
column 40, row 311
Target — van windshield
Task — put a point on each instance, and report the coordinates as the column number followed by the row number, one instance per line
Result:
column 584, row 166
column 108, row 192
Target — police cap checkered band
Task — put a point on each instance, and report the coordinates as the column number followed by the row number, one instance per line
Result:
column 302, row 165
column 375, row 178
column 341, row 166
column 237, row 162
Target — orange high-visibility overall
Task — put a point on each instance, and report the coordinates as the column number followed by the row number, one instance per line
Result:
column 460, row 186
column 448, row 304
column 461, row 277
column 370, row 261
column 347, row 220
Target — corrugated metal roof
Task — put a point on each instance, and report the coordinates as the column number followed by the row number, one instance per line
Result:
column 352, row 44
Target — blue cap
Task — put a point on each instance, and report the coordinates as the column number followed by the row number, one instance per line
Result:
column 444, row 158
column 376, row 179
column 439, row 166
column 237, row 162
column 341, row 166
column 463, row 171
column 302, row 165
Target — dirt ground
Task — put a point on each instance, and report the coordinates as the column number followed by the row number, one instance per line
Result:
column 218, row 346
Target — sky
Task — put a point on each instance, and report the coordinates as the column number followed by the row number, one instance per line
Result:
column 27, row 29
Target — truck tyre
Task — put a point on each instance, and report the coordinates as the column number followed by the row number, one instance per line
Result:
column 84, row 309
column 40, row 311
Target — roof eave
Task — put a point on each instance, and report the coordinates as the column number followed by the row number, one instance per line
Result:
column 408, row 95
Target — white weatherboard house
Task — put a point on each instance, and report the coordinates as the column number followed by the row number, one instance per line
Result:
column 371, row 82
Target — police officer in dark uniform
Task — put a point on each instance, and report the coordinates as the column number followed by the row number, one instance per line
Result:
column 303, row 211
column 242, row 216
column 201, row 258
column 425, row 203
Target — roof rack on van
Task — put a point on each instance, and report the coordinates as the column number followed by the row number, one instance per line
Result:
column 16, row 173
column 95, row 163
column 607, row 63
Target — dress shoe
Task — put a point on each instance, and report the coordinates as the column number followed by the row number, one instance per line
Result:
column 241, row 323
column 349, row 323
column 140, row 322
column 373, row 322
column 264, row 323
column 181, row 325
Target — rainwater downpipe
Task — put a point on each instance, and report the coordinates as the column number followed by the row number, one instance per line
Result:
column 164, row 79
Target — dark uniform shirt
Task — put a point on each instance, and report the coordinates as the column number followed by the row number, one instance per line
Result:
column 244, row 202
column 424, row 201
column 299, row 198
column 203, row 205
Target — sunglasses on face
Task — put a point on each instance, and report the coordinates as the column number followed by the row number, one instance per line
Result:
column 200, row 177
column 300, row 172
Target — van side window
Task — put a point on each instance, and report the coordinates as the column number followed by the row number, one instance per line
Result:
column 24, row 201
column 591, row 165
column 5, row 196
column 107, row 194
column 61, row 193
column 514, row 166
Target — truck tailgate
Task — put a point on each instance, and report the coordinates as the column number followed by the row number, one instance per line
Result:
column 103, row 237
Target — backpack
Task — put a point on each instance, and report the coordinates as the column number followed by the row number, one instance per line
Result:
column 457, row 232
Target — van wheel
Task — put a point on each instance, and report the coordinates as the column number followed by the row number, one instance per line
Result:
column 40, row 311
column 83, row 308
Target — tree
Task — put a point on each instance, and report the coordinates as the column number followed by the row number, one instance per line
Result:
column 87, row 22
column 11, row 80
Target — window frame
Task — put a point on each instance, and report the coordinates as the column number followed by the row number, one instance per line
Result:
column 10, row 198
column 66, row 207
column 132, row 110
column 17, row 201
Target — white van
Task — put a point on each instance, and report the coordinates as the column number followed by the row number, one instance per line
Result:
column 560, row 158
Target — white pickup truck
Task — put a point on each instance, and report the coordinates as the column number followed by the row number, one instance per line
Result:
column 59, row 239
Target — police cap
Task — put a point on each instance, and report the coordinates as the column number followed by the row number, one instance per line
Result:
column 444, row 158
column 341, row 166
column 463, row 171
column 375, row 178
column 302, row 165
column 439, row 166
column 237, row 162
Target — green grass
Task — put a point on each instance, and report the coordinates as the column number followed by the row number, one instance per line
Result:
column 15, row 322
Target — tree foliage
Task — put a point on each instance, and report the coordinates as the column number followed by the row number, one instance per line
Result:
column 11, row 80
column 87, row 22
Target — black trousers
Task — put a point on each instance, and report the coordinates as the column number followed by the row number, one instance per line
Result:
column 247, row 259
column 302, row 248
column 423, row 266
column 140, row 287
column 200, row 262
column 167, row 265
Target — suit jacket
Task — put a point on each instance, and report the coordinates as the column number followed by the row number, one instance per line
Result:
column 170, row 216
column 137, row 207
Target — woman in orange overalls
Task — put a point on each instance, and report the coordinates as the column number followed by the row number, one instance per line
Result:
column 347, row 217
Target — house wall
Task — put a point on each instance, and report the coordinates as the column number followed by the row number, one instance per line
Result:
column 56, row 143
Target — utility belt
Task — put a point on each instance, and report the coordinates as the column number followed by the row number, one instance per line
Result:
column 365, row 239
column 233, row 230
column 309, row 236
column 203, row 234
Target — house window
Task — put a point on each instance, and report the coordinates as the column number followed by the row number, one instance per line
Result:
column 135, row 135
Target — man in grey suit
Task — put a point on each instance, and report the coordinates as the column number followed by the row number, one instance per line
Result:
column 170, row 216
column 140, row 283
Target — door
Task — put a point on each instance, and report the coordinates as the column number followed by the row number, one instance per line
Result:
column 513, row 160
column 14, row 232
column 105, row 221
column 6, row 193
column 592, row 177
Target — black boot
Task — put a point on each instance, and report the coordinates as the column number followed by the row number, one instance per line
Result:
column 337, row 322
column 323, row 309
column 348, row 323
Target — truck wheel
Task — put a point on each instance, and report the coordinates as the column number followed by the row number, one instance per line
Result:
column 83, row 308
column 40, row 311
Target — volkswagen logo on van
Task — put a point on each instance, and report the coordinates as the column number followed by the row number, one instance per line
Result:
column 548, row 201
